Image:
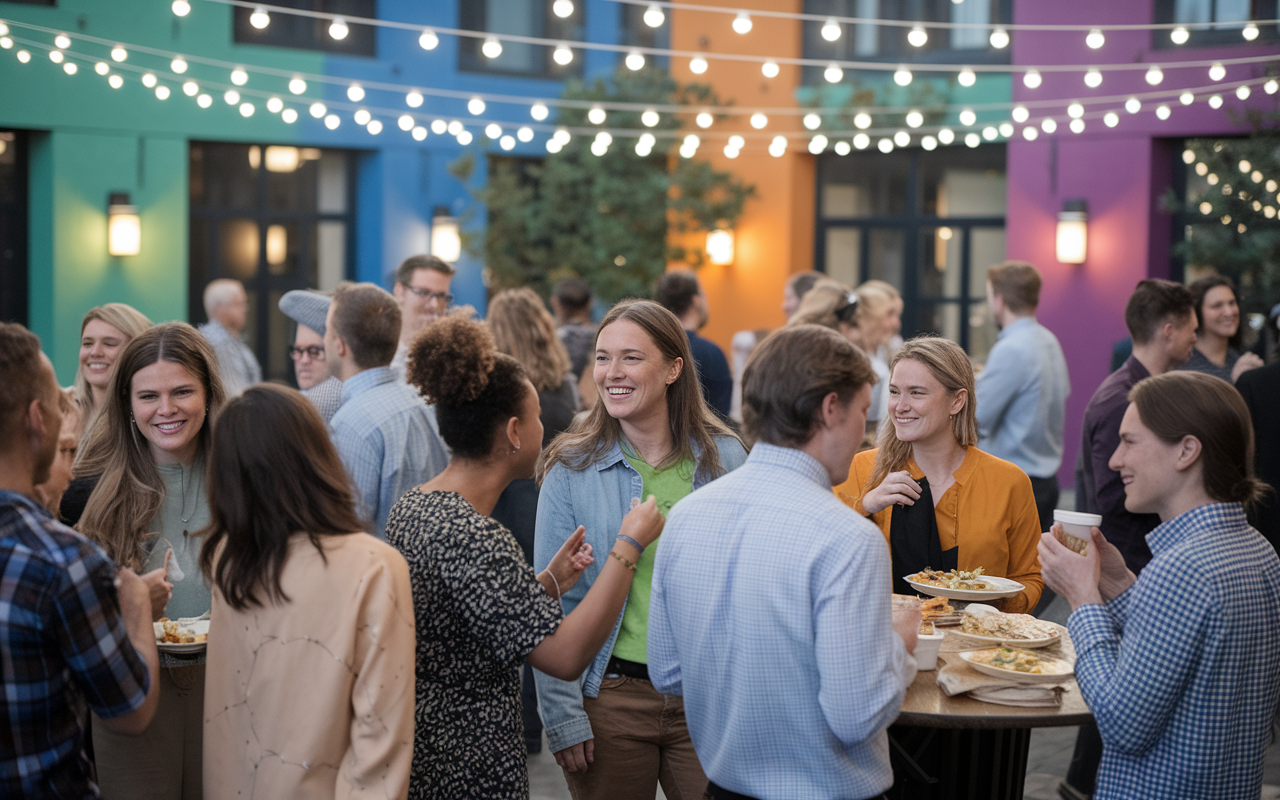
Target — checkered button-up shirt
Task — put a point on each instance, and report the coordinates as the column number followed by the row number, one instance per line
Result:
column 1182, row 670
column 63, row 643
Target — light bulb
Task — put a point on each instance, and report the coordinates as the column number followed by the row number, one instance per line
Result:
column 914, row 119
column 71, row 69
column 742, row 23
column 1215, row 102
column 1243, row 92
column 239, row 77
column 692, row 141
column 204, row 100
column 507, row 142
column 1093, row 78
column 428, row 40
column 1163, row 112
column 902, row 138
column 596, row 115
column 946, row 136
column 729, row 152
column 419, row 133
column 902, row 76
column 1075, row 111
column 259, row 18
column 1250, row 32
column 338, row 30
column 318, row 110
column 967, row 77
column 1095, row 39
column 562, row 8
column 999, row 38
column 1077, row 126
column 917, row 37
column 362, row 116
column 439, row 127
column 562, row 136
column 524, row 133
column 1133, row 105
column 831, row 30
column 833, row 73
column 885, row 145
column 972, row 139
column 929, row 143
column 1179, row 35
column 181, row 8
column 1031, row 79
column 1217, row 72
column 649, row 118
column 842, row 148
column 1048, row 125
column 1271, row 86
column 1020, row 114
column 355, row 93
column 231, row 97
column 1154, row 75
column 697, row 65
column 1111, row 119
column 737, row 142
column 653, row 16
column 759, row 120
column 1186, row 98
column 118, row 53
column 56, row 56
column 413, row 99
column 703, row 120
column 861, row 141
column 493, row 130
column 332, row 122
column 149, row 81
column 604, row 137
column 817, row 144
column 562, row 55
column 476, row 106
column 492, row 48
column 178, row 65
column 812, row 121
column 635, row 61
column 554, row 146
column 1030, row 133
column 1005, row 129
column 405, row 122
column 862, row 120
column 246, row 109
column 297, row 86
column 1245, row 166
column 102, row 68
column 191, row 88
column 769, row 69
column 539, row 111
column 967, row 117
column 464, row 138
column 374, row 127
column 990, row 133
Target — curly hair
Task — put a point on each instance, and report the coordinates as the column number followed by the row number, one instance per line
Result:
column 455, row 365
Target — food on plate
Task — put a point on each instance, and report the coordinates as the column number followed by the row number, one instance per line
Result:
column 969, row 580
column 1027, row 661
column 1006, row 626
column 936, row 607
column 169, row 631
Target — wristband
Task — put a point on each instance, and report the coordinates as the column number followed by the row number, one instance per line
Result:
column 639, row 547
column 624, row 561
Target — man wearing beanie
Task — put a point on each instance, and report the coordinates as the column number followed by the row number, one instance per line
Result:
column 317, row 384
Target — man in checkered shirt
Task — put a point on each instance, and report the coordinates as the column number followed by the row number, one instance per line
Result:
column 74, row 630
column 1180, row 665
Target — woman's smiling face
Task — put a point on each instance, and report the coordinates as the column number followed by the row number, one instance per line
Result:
column 1220, row 312
column 921, row 407
column 631, row 374
column 168, row 405
column 100, row 345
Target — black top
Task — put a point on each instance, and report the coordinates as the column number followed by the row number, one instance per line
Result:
column 713, row 373
column 579, row 338
column 1260, row 387
column 75, row 498
column 914, row 542
column 479, row 611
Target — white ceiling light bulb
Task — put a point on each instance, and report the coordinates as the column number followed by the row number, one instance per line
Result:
column 833, row 73
column 742, row 23
column 862, row 120
column 650, row 118
column 405, row 122
column 317, row 110
column 180, row 8
column 861, row 141
column 999, row 38
column 1186, row 98
column 703, row 120
column 562, row 55
column 902, row 138
column 1154, row 75
column 635, row 60
column 929, row 143
column 1111, row 119
column 539, row 111
column 697, row 65
column 493, row 130
column 259, row 18
column 476, row 106
column 1133, row 105
column 1020, row 114
column 453, row 128
column 56, row 56
column 946, row 136
column 1093, row 78
column 653, row 16
column 275, row 105
column 118, row 53
column 1163, row 112
column 967, row 117
column 1217, row 72
column 990, row 133
column 812, row 121
column 1215, row 102
column 842, row 148
column 967, row 77
column 1271, row 86
column 524, row 133
column 759, row 120
column 917, row 37
column 902, row 76
column 1031, row 79
column 1095, row 39
column 419, row 133
column 246, row 109
column 297, row 86
column 817, row 144
column 413, row 99
column 362, row 116
column 492, row 48
column 914, row 119
column 1030, row 133
column 1250, row 32
column 102, row 68
column 596, row 115
column 338, row 30
column 374, row 127
column 1179, row 35
column 178, row 65
column 1075, row 111
column 332, row 122
column 355, row 93
column 1048, row 125
column 737, row 142
column 1243, row 92
column 204, row 100
column 885, row 145
column 239, row 77
column 231, row 97
column 972, row 139
column 428, row 40
column 769, row 69
column 71, row 69
column 831, row 30
column 149, row 81
column 1006, row 129
column 562, row 8
column 464, row 138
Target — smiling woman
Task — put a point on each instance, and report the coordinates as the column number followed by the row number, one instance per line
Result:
column 104, row 332
column 1219, row 338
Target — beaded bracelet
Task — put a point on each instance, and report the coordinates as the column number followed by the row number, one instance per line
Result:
column 625, row 562
column 639, row 547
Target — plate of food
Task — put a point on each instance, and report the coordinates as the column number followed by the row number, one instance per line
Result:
column 188, row 635
column 940, row 612
column 962, row 584
column 986, row 625
column 1016, row 664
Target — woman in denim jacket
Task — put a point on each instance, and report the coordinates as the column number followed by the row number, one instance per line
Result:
column 649, row 433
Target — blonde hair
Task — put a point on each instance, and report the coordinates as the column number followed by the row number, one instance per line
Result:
column 950, row 366
column 124, row 318
column 129, row 491
column 819, row 305
column 524, row 329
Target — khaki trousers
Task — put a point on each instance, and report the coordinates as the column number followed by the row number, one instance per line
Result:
column 641, row 740
column 165, row 762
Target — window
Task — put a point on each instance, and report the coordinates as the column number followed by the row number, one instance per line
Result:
column 929, row 223
column 521, row 18
column 871, row 42
column 311, row 33
column 275, row 218
column 1233, row 14
column 13, row 227
column 635, row 33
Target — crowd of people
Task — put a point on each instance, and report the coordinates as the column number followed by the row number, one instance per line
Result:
column 458, row 537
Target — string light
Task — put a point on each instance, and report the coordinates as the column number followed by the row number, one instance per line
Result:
column 967, row 77
column 1077, row 126
column 999, row 38
column 149, row 80
column 1031, row 79
column 1005, row 129
column 178, row 65
column 812, row 121
column 1133, row 105
column 929, row 143
column 1271, row 86
column 1048, row 125
column 649, row 118
column 862, row 120
column 239, row 77
column 1095, row 40
column 1093, row 78
column 204, row 100
column 374, row 127
column 1075, row 110
column 596, row 115
column 759, row 121
column 741, row 23
column 419, row 133
column 562, row 136
column 769, row 69
column 1179, row 35
column 297, row 86
column 338, row 30
column 440, row 127
column 914, row 119
column 6, row 42
column 71, row 69
column 275, row 105
column 1030, row 133
column 1215, row 102
column 180, row 8
column 553, row 146
column 653, row 16
column 703, row 120
column 817, row 144
column 476, row 106
column 1154, row 75
column 861, row 141
column 428, row 41
column 842, row 148
column 562, row 55
column 968, row 117
column 231, row 96
column 493, row 130
column 539, row 111
column 259, row 18
column 464, row 138
column 1163, row 112
column 507, row 142
column 246, row 109
column 355, row 93
column 778, row 147
column 946, row 136
column 56, row 56
column 1250, row 32
column 1186, row 98
column 191, row 89
column 737, row 142
column 1217, row 72
column 562, row 8
column 697, row 65
column 902, row 138
column 885, row 146
column 524, row 133
column 362, row 116
column 1020, row 114
column 102, row 68
column 833, row 73
column 405, row 122
column 1111, row 119
column 332, row 122
column 318, row 110
column 917, row 37
column 831, row 30
column 635, row 60
column 1243, row 92
column 492, row 48
column 902, row 76
column 413, row 99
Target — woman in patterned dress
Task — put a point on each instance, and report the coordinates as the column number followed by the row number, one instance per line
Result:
column 480, row 609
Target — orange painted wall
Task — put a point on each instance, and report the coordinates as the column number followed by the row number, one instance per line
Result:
column 775, row 235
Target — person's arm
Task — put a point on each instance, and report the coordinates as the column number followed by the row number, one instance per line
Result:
column 997, row 385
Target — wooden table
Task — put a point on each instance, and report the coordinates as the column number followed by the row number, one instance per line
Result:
column 946, row 748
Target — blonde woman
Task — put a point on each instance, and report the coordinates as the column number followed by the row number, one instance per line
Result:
column 104, row 332
column 940, row 501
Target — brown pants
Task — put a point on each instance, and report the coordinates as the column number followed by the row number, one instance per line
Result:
column 641, row 739
column 165, row 762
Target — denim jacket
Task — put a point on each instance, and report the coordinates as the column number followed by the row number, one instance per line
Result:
column 597, row 497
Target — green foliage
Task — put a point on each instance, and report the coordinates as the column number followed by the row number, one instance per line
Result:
column 605, row 219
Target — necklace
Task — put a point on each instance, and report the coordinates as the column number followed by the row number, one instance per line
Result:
column 182, row 477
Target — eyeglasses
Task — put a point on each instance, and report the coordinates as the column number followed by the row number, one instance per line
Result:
column 430, row 296
column 316, row 352
column 849, row 310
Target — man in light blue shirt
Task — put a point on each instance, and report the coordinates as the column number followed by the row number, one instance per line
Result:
column 1022, row 391
column 384, row 431
column 771, row 603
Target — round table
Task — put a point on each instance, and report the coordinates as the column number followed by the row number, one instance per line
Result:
column 947, row 748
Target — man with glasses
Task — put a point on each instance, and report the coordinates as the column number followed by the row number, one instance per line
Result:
column 422, row 292
column 315, row 381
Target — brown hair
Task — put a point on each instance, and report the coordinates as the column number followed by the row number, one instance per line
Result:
column 789, row 375
column 129, row 490
column 675, row 291
column 1184, row 403
column 20, row 379
column 475, row 389
column 801, row 282
column 1200, row 289
column 1018, row 283
column 272, row 473
column 693, row 424
column 404, row 272
column 950, row 366
column 573, row 295
column 368, row 320
column 1153, row 303
column 124, row 318
column 524, row 329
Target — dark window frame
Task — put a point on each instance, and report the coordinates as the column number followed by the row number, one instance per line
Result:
column 1226, row 35
column 311, row 33
column 15, row 221
column 472, row 17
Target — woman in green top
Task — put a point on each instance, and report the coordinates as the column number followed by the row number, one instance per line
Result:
column 649, row 433
column 145, row 461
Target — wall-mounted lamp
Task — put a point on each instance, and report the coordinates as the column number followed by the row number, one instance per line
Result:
column 446, row 241
column 720, row 247
column 1073, row 231
column 124, row 227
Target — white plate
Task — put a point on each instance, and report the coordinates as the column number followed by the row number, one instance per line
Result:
column 1011, row 675
column 1004, row 588
column 1029, row 644
column 180, row 649
column 197, row 625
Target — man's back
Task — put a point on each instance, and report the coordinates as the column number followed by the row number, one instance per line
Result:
column 713, row 373
column 1022, row 396
column 388, row 440
column 770, row 614
column 1260, row 388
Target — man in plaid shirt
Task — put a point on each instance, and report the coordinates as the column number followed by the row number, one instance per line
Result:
column 73, row 629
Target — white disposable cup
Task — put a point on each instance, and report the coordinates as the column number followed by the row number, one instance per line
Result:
column 926, row 653
column 1075, row 526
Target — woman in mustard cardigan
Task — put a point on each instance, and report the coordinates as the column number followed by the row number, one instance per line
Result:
column 942, row 502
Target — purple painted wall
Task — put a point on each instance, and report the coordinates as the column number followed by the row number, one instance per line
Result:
column 1121, row 171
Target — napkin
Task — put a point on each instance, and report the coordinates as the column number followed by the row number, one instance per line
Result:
column 955, row 677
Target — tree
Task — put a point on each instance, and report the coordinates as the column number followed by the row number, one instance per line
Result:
column 604, row 218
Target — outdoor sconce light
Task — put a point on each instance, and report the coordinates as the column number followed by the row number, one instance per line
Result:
column 124, row 227
column 720, row 247
column 446, row 242
column 1073, row 231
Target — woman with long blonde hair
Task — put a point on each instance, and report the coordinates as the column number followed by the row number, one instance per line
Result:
column 649, row 433
column 940, row 501
column 104, row 332
column 143, row 467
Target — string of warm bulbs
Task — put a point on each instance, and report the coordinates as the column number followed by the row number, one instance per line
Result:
column 635, row 59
